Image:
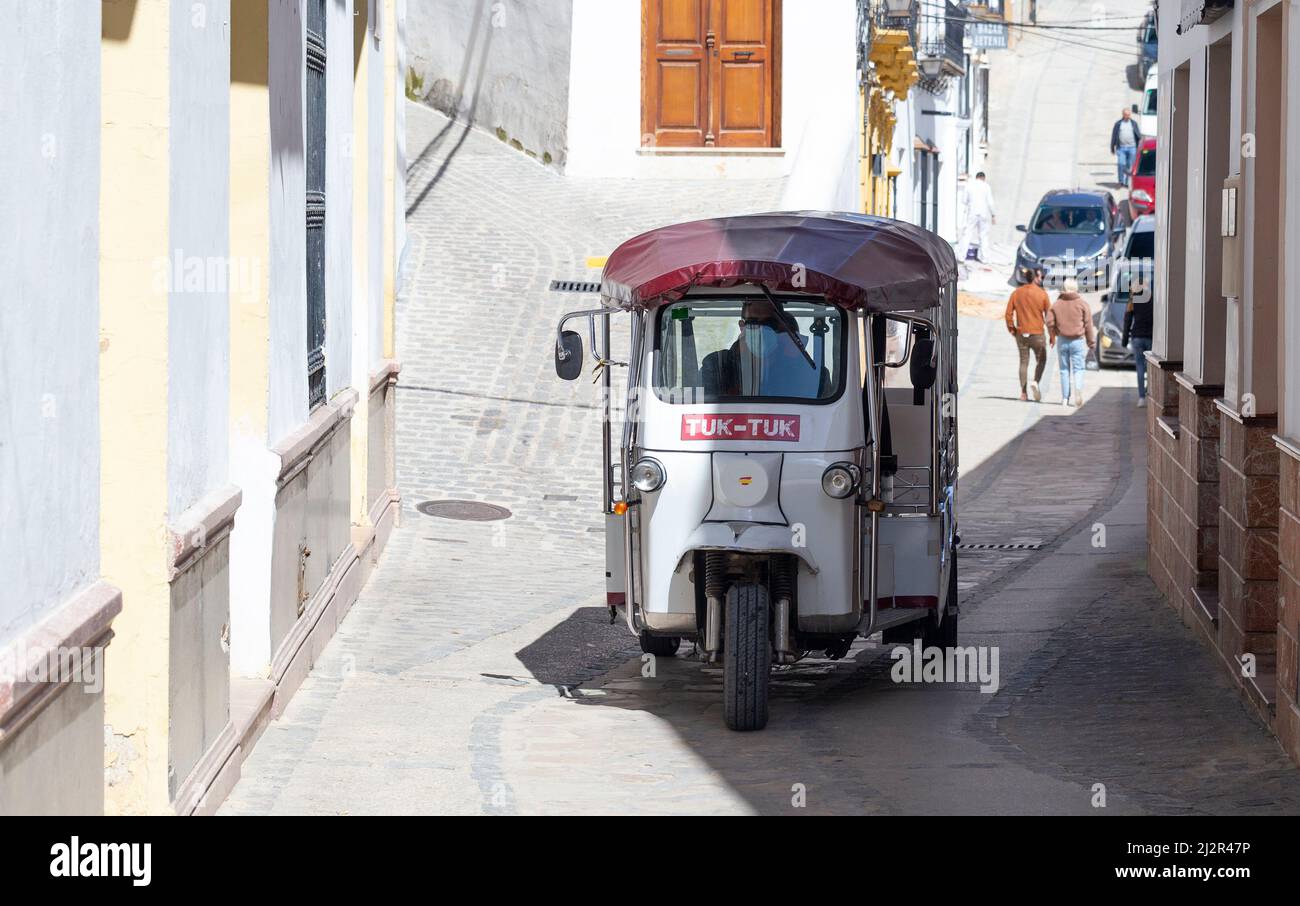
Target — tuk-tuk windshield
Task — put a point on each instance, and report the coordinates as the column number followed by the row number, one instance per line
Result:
column 739, row 349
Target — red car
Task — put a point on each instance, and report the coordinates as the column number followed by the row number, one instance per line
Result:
column 1142, row 181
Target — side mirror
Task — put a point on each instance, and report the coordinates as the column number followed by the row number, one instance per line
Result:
column 568, row 355
column 1135, row 108
column 1022, row 228
column 922, row 365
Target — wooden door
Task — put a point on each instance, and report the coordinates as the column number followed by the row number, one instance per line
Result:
column 710, row 73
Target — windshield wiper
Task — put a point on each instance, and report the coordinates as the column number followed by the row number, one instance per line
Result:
column 788, row 325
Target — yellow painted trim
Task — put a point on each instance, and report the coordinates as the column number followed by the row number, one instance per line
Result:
column 133, row 237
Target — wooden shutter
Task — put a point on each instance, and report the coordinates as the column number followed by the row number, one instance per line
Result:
column 709, row 73
column 743, row 73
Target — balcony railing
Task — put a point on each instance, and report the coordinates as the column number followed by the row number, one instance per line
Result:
column 943, row 29
column 897, row 15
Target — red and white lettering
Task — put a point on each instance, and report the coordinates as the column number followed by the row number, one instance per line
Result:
column 756, row 426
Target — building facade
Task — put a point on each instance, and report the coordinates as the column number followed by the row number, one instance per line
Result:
column 215, row 448
column 1224, row 425
column 925, row 110
column 860, row 105
column 732, row 89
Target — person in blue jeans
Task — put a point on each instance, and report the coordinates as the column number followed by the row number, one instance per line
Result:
column 1073, row 334
column 1137, row 337
column 1125, row 136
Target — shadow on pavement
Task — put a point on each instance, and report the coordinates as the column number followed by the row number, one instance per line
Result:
column 820, row 728
column 1067, row 711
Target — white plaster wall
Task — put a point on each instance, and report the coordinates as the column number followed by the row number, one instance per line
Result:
column 501, row 64
column 399, row 170
column 339, row 155
column 49, row 309
column 288, row 276
column 198, row 270
column 819, row 109
column 903, row 154
column 944, row 133
column 1194, row 265
column 604, row 80
column 1175, row 50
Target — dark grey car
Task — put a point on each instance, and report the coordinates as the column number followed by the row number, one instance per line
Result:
column 1073, row 233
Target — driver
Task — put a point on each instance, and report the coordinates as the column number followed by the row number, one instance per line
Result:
column 769, row 358
column 1053, row 222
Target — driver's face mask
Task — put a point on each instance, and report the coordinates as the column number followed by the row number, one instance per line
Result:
column 758, row 333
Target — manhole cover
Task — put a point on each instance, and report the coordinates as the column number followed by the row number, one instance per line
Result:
column 464, row 510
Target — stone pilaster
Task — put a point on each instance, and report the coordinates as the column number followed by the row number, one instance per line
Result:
column 1248, row 537
column 1196, row 490
column 1287, row 716
column 1163, row 514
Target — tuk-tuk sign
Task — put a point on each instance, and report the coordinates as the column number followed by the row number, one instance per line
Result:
column 740, row 427
column 987, row 35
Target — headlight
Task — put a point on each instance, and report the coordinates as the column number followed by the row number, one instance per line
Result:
column 1027, row 254
column 648, row 475
column 841, row 479
column 1142, row 195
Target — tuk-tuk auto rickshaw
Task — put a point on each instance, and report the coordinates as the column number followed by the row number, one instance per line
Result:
column 783, row 486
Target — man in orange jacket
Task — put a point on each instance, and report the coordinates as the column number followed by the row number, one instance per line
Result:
column 1026, row 321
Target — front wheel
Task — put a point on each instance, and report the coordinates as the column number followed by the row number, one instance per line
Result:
column 747, row 657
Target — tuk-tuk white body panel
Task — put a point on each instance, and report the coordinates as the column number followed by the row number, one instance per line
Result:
column 687, row 515
column 909, row 561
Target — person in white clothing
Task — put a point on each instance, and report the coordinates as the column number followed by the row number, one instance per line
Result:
column 980, row 213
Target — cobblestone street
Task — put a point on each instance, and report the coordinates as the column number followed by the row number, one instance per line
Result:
column 478, row 672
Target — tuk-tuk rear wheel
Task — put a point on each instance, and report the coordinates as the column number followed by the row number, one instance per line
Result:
column 660, row 646
column 747, row 657
column 944, row 635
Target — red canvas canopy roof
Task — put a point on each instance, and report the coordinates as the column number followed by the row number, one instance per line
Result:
column 854, row 260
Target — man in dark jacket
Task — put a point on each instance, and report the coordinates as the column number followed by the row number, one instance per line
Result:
column 1137, row 337
column 1125, row 137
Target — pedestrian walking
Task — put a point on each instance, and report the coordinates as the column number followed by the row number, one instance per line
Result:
column 1073, row 334
column 1137, row 337
column 1027, row 312
column 1125, row 136
column 980, row 213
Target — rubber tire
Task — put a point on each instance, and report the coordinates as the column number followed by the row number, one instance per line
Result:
column 747, row 657
column 659, row 645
